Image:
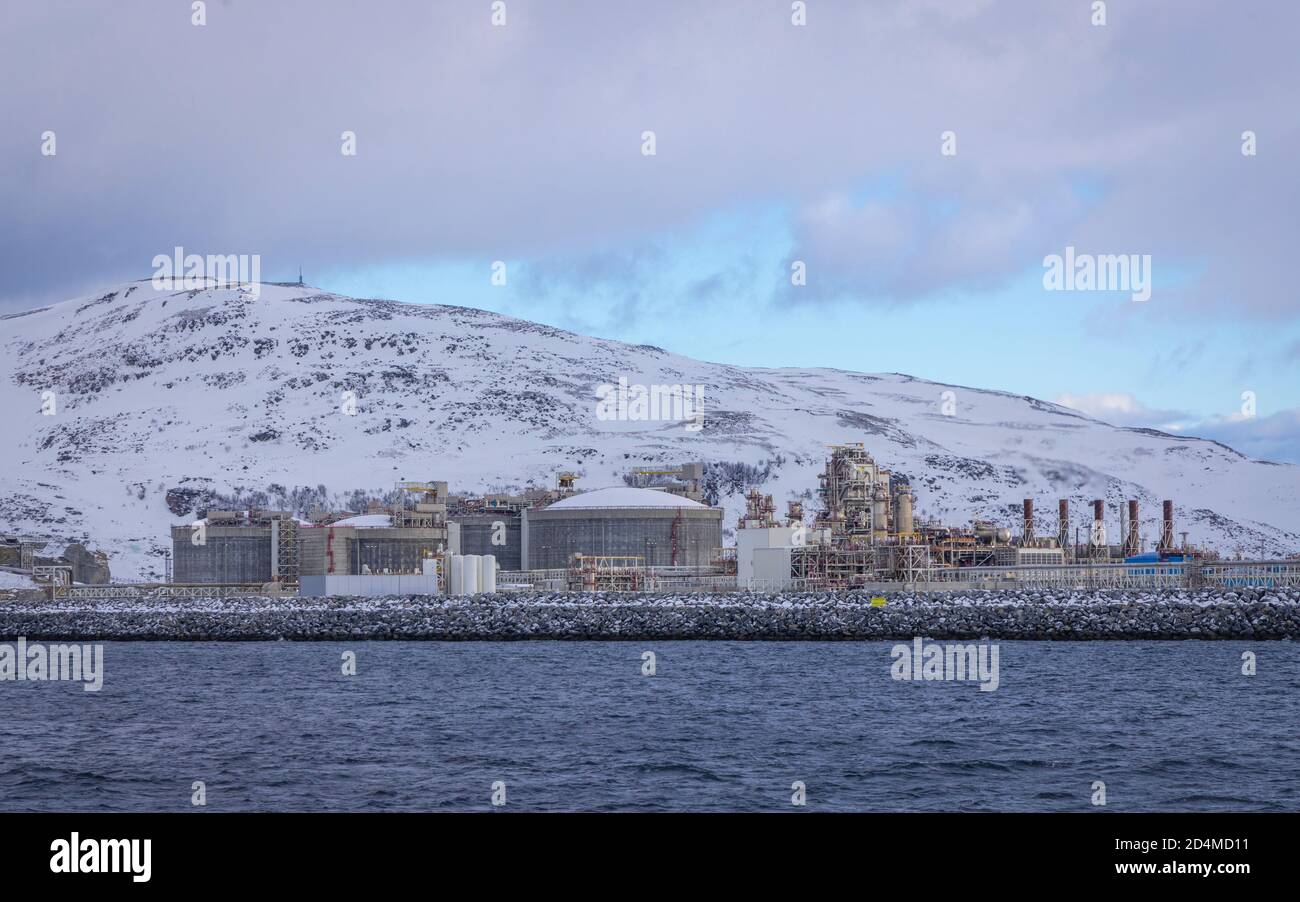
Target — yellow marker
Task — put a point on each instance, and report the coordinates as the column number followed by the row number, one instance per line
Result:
column 878, row 601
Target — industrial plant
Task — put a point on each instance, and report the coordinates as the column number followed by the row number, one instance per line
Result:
column 866, row 533
column 275, row 547
column 656, row 532
column 412, row 547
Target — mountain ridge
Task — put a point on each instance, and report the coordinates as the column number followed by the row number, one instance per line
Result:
column 158, row 390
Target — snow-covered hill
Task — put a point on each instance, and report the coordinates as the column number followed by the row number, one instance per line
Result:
column 218, row 390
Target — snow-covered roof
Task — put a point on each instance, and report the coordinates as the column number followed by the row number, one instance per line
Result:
column 623, row 496
column 366, row 521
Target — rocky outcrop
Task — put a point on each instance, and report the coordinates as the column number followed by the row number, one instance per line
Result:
column 88, row 567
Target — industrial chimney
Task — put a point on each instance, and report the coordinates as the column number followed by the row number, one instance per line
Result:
column 1098, row 539
column 1029, row 523
column 1063, row 523
column 1167, row 530
column 1132, row 544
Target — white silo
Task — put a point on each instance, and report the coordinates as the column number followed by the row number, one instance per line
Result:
column 470, row 573
column 487, row 579
column 456, row 584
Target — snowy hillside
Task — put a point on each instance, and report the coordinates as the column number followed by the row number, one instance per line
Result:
column 219, row 390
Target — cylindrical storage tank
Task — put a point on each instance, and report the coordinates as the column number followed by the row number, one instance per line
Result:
column 879, row 513
column 229, row 554
column 905, row 513
column 469, row 573
column 660, row 528
column 996, row 535
column 487, row 578
column 456, row 585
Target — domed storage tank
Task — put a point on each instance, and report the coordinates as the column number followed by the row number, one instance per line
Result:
column 662, row 528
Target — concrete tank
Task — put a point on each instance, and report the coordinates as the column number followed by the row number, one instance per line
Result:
column 477, row 532
column 229, row 554
column 622, row 521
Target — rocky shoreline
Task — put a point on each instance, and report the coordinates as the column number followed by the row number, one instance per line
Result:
column 1008, row 614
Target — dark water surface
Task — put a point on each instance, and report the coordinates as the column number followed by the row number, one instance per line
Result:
column 721, row 726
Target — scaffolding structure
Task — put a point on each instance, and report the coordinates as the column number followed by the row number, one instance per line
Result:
column 913, row 563
column 286, row 570
column 606, row 573
column 428, row 508
column 52, row 574
column 832, row 566
column 957, row 549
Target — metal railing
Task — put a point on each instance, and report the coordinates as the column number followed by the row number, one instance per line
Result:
column 1258, row 574
column 160, row 590
column 1191, row 574
column 1166, row 575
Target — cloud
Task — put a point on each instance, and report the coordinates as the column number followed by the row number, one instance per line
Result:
column 1274, row 437
column 1120, row 409
column 523, row 142
column 928, row 239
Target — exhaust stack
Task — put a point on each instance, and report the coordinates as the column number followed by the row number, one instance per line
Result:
column 1132, row 544
column 1167, row 531
column 1029, row 523
column 1098, row 539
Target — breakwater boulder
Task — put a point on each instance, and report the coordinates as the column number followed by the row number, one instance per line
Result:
column 1249, row 613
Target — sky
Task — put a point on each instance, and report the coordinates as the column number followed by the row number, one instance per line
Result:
column 915, row 162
